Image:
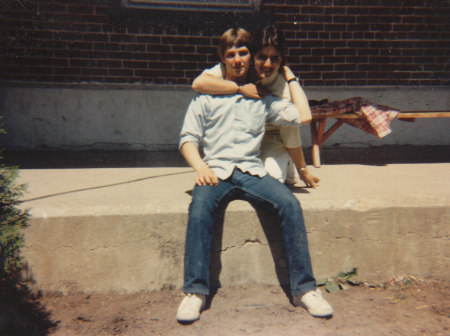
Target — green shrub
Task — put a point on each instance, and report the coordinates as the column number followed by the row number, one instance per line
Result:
column 20, row 310
column 12, row 219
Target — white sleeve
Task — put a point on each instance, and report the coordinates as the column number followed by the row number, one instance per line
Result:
column 290, row 135
column 217, row 71
column 193, row 125
column 281, row 112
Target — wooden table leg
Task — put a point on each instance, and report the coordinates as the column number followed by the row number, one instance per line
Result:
column 331, row 130
column 320, row 130
column 317, row 137
column 315, row 144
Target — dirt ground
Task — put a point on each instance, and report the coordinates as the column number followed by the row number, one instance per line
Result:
column 395, row 309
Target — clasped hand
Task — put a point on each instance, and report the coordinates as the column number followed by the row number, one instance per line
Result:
column 252, row 91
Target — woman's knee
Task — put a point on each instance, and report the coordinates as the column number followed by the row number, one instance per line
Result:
column 275, row 169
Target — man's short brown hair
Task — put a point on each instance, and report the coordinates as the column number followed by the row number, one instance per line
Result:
column 234, row 37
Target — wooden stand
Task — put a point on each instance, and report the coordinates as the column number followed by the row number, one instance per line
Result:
column 319, row 135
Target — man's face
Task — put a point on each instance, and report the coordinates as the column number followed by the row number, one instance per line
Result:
column 237, row 62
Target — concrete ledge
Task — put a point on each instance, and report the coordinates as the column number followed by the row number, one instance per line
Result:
column 149, row 117
column 101, row 230
column 379, row 155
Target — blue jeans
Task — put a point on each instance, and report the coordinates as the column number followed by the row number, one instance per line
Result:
column 265, row 191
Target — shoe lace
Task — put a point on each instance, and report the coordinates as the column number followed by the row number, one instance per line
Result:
column 317, row 294
column 191, row 299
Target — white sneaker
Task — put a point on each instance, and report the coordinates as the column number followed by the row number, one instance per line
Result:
column 190, row 308
column 315, row 304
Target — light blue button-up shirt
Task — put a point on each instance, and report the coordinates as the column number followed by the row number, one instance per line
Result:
column 230, row 129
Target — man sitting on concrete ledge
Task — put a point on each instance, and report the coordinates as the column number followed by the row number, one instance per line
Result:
column 230, row 129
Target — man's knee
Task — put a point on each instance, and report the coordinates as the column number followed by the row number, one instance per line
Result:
column 290, row 203
column 199, row 205
column 203, row 201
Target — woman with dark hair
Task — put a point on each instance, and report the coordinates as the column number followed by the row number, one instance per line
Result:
column 281, row 149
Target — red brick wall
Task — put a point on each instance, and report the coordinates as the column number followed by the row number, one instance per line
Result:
column 330, row 42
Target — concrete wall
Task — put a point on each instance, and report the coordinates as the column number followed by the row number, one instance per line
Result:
column 150, row 117
column 131, row 253
column 123, row 229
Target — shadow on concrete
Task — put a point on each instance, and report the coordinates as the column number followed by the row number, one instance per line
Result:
column 21, row 313
column 380, row 155
column 103, row 186
column 94, row 159
column 383, row 155
column 295, row 189
column 272, row 231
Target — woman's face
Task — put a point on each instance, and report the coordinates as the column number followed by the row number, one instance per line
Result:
column 267, row 61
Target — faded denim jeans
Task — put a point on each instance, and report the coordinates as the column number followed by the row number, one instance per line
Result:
column 260, row 192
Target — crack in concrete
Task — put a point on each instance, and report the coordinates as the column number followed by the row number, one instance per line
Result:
column 104, row 246
column 344, row 237
column 246, row 242
column 252, row 241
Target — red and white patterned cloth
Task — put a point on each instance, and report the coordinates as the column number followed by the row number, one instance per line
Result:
column 375, row 119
